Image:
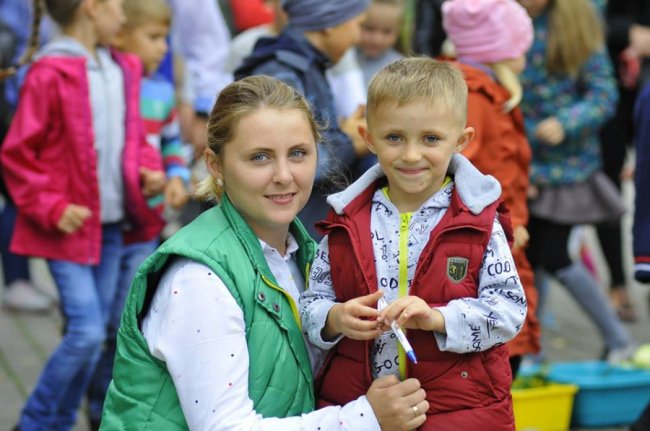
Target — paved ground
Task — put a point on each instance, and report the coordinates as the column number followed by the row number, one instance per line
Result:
column 27, row 340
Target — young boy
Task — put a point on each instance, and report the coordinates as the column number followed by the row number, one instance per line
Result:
column 317, row 35
column 145, row 35
column 427, row 231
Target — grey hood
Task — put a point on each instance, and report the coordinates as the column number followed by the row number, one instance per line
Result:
column 475, row 189
column 64, row 46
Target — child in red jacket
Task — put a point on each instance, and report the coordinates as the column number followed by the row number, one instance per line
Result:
column 77, row 164
column 491, row 55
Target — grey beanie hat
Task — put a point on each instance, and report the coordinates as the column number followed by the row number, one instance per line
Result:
column 312, row 15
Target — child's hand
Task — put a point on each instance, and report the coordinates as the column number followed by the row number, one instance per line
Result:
column 521, row 237
column 175, row 193
column 73, row 218
column 153, row 182
column 413, row 313
column 550, row 131
column 355, row 318
column 350, row 127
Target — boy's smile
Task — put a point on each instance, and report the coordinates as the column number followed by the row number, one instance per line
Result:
column 414, row 142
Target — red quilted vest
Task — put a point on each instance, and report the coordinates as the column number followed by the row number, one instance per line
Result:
column 465, row 391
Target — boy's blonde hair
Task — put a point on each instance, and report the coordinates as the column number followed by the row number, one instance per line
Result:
column 240, row 99
column 140, row 12
column 575, row 32
column 422, row 79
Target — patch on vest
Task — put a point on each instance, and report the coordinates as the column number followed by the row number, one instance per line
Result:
column 457, row 268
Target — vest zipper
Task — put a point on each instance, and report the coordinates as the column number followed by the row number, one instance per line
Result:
column 402, row 285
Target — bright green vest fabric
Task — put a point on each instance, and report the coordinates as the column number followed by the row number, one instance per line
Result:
column 142, row 394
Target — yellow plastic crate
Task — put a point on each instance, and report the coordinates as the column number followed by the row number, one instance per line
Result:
column 547, row 408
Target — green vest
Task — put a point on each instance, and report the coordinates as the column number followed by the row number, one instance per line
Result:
column 142, row 395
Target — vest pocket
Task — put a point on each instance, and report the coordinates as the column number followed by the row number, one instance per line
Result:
column 455, row 384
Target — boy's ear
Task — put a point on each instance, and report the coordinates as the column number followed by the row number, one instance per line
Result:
column 365, row 134
column 464, row 139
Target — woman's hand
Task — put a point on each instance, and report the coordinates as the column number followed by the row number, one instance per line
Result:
column 413, row 313
column 356, row 318
column 397, row 405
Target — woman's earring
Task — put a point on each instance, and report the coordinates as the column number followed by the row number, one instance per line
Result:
column 219, row 182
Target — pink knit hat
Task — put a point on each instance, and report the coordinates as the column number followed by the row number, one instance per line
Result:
column 487, row 31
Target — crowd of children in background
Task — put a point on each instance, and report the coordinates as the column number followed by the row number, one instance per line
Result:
column 103, row 150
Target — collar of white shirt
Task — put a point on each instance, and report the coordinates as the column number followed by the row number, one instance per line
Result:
column 292, row 247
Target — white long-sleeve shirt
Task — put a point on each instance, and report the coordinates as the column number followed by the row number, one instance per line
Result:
column 195, row 326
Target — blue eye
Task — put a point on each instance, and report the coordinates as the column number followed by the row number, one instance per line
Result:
column 393, row 137
column 259, row 157
column 431, row 139
column 298, row 154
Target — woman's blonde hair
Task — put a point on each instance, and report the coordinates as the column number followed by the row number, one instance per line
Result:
column 238, row 100
column 575, row 32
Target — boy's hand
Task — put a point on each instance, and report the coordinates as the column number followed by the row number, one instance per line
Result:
column 521, row 237
column 393, row 403
column 350, row 127
column 413, row 313
column 175, row 193
column 550, row 131
column 73, row 218
column 355, row 318
column 153, row 182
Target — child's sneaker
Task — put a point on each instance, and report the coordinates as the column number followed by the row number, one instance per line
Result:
column 22, row 296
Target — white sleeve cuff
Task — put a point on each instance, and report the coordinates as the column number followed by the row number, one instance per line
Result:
column 320, row 310
column 452, row 340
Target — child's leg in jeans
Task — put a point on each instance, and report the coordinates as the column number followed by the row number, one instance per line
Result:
column 85, row 292
column 132, row 257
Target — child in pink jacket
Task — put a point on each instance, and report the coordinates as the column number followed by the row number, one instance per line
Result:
column 77, row 164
